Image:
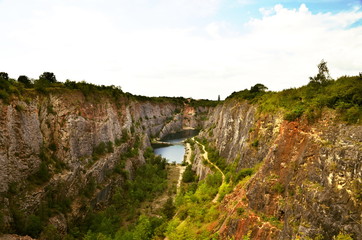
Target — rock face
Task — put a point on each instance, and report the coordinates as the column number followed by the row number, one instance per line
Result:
column 309, row 183
column 59, row 145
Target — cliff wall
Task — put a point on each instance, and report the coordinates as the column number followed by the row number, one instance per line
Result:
column 63, row 145
column 309, row 180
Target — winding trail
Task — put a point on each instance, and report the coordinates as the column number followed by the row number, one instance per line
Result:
column 205, row 155
column 188, row 153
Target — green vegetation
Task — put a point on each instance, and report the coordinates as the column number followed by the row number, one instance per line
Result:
column 124, row 138
column 279, row 188
column 343, row 95
column 196, row 210
column 47, row 83
column 189, row 175
column 343, row 236
column 148, row 182
column 55, row 202
column 203, row 103
column 255, row 143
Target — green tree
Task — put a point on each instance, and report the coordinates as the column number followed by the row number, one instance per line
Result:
column 44, row 81
column 24, row 80
column 258, row 88
column 143, row 229
column 48, row 76
column 188, row 175
column 322, row 76
column 4, row 76
column 168, row 208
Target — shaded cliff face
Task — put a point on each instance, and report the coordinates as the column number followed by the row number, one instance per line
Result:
column 309, row 183
column 56, row 146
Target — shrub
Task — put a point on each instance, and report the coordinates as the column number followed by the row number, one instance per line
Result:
column 294, row 114
column 99, row 150
column 279, row 188
column 4, row 96
column 50, row 233
column 168, row 208
column 52, row 147
column 42, row 175
column 109, row 146
column 50, row 109
column 342, row 236
column 244, row 173
column 90, row 188
column 189, row 175
column 24, row 80
column 352, row 115
column 33, row 226
column 240, row 211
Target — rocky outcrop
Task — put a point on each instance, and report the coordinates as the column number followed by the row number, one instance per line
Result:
column 309, row 181
column 201, row 169
column 62, row 145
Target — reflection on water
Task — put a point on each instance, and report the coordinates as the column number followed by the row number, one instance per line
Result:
column 174, row 153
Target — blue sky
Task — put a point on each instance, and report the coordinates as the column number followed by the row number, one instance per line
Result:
column 190, row 48
column 231, row 10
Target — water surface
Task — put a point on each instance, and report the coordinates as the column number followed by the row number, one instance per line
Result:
column 175, row 152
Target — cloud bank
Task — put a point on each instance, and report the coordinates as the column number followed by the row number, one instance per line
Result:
column 169, row 49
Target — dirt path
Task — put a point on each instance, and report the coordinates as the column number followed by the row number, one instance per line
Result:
column 174, row 180
column 182, row 170
column 206, row 157
column 188, row 153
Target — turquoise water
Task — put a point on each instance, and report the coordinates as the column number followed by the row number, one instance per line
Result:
column 174, row 153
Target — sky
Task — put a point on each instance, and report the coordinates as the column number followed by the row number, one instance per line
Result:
column 188, row 48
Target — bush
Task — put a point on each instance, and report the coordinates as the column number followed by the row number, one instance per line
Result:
column 279, row 188
column 42, row 175
column 168, row 208
column 33, row 226
column 189, row 175
column 109, row 146
column 353, row 115
column 26, row 225
column 25, row 80
column 4, row 96
column 50, row 233
column 90, row 188
column 294, row 114
column 342, row 236
column 100, row 149
column 244, row 173
column 240, row 211
column 52, row 147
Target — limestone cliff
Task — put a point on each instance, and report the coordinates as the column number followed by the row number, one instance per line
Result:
column 62, row 145
column 309, row 182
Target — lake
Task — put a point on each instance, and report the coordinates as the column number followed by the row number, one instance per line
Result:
column 176, row 152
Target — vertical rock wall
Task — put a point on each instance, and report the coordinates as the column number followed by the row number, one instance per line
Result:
column 63, row 131
column 309, row 183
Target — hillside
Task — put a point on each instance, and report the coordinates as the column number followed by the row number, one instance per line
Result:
column 76, row 162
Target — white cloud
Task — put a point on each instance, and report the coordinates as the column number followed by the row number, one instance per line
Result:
column 280, row 50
